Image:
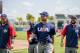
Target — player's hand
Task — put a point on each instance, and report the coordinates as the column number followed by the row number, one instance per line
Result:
column 30, row 39
column 77, row 46
column 12, row 46
column 53, row 51
column 79, row 37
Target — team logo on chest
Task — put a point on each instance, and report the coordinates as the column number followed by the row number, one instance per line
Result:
column 43, row 29
column 5, row 30
column 77, row 30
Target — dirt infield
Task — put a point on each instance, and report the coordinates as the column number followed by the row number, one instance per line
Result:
column 20, row 44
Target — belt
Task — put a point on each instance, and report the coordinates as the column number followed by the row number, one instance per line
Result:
column 44, row 42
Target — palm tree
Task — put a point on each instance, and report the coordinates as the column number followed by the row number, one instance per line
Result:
column 20, row 20
column 30, row 18
column 39, row 19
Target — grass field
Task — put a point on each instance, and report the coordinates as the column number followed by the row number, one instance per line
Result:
column 21, row 51
column 21, row 35
column 58, row 49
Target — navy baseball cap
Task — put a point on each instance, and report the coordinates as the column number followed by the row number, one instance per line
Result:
column 72, row 17
column 4, row 15
column 44, row 14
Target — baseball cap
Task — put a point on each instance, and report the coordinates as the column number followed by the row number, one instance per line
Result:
column 44, row 13
column 4, row 15
column 73, row 17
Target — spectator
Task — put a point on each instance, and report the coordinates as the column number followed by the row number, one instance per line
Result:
column 72, row 33
column 7, row 35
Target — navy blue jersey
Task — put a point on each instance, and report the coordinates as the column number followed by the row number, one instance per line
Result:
column 0, row 33
column 4, row 36
column 44, row 32
column 34, row 40
column 31, row 26
column 72, row 33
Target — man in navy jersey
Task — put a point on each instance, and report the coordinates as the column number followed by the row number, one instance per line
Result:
column 7, row 35
column 72, row 32
column 32, row 39
column 44, row 32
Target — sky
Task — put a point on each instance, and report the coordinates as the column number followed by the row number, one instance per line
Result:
column 19, row 8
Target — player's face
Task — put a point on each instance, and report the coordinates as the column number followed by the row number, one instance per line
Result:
column 4, row 20
column 44, row 18
column 73, row 21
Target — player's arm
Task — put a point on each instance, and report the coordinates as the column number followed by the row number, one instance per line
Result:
column 33, row 33
column 53, row 33
column 63, row 33
column 79, row 33
column 12, row 34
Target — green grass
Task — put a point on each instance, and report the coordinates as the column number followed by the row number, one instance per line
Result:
column 58, row 49
column 21, row 35
column 21, row 51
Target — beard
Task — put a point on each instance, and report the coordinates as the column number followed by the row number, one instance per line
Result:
column 44, row 20
column 73, row 22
